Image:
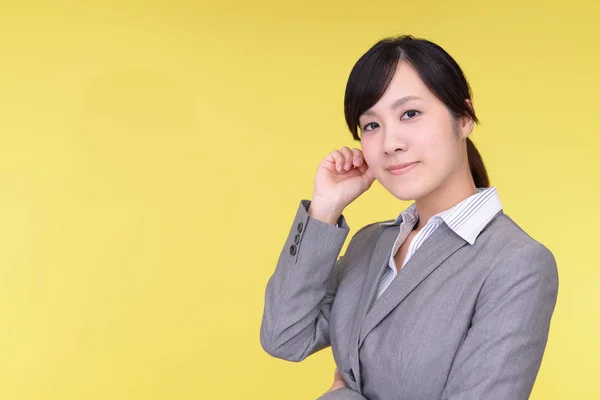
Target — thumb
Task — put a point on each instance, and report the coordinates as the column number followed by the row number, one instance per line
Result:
column 367, row 175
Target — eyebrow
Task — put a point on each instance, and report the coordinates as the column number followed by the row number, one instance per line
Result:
column 396, row 104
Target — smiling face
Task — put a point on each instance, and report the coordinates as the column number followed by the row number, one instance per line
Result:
column 415, row 147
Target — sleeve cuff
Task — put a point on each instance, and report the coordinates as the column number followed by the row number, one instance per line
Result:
column 340, row 223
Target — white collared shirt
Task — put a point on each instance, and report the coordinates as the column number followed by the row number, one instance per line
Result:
column 467, row 219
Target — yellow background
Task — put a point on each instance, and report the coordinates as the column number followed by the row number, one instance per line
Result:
column 153, row 154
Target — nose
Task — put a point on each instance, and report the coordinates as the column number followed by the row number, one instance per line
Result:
column 393, row 141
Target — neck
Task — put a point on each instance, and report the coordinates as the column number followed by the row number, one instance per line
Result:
column 442, row 198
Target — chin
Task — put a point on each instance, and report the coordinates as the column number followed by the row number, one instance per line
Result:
column 406, row 192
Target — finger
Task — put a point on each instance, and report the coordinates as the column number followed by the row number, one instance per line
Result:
column 363, row 168
column 337, row 385
column 369, row 176
column 337, row 376
column 337, row 159
column 358, row 157
column 348, row 157
column 366, row 173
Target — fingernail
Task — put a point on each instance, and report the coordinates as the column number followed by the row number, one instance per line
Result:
column 339, row 167
column 348, row 165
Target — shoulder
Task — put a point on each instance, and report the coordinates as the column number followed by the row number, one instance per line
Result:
column 506, row 235
column 516, row 255
column 366, row 236
column 367, row 231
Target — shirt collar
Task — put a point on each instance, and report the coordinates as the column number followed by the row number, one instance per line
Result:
column 467, row 219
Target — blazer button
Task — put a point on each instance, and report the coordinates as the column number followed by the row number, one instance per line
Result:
column 297, row 238
column 300, row 226
column 293, row 249
column 352, row 376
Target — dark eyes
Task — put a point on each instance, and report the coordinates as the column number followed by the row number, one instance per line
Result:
column 409, row 114
column 373, row 124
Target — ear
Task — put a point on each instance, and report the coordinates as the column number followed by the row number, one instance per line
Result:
column 466, row 123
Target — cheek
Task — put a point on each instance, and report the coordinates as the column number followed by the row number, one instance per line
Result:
column 440, row 158
column 433, row 152
column 369, row 152
column 434, row 144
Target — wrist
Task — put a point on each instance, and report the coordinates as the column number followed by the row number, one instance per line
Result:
column 324, row 212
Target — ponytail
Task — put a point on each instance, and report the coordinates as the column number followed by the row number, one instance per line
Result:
column 476, row 165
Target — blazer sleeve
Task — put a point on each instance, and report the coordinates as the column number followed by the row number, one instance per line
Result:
column 300, row 293
column 342, row 394
column 502, row 351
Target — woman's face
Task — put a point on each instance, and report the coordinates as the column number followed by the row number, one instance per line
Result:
column 410, row 126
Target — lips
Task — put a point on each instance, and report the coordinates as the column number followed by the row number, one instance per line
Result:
column 400, row 166
column 399, row 169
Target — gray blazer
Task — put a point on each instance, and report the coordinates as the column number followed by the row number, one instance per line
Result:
column 460, row 321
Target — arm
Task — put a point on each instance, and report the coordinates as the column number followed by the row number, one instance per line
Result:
column 300, row 292
column 502, row 351
column 342, row 394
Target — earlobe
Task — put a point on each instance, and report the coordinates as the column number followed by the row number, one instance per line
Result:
column 467, row 126
column 464, row 126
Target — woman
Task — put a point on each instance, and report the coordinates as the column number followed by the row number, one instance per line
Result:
column 451, row 299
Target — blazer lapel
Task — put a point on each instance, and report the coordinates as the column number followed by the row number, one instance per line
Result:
column 442, row 243
column 377, row 264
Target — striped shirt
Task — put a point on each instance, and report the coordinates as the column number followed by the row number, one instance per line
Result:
column 467, row 219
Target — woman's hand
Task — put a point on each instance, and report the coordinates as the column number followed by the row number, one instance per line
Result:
column 341, row 177
column 338, row 382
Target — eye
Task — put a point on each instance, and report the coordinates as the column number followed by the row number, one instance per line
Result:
column 373, row 125
column 410, row 114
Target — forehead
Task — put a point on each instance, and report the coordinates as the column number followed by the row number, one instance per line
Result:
column 406, row 87
column 405, row 82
